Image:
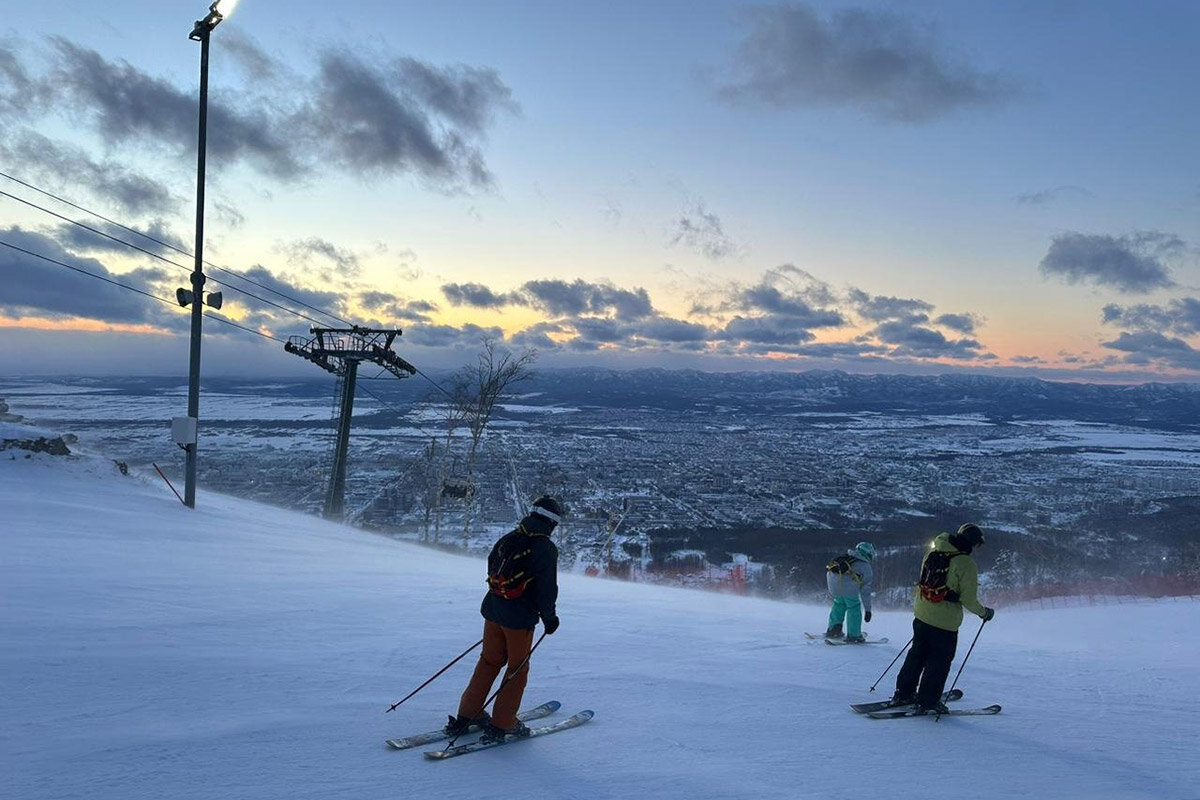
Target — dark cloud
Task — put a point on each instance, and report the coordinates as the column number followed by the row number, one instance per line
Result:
column 702, row 231
column 581, row 345
column 126, row 104
column 343, row 259
column 46, row 161
column 1181, row 316
column 1132, row 263
column 916, row 341
column 557, row 297
column 780, row 310
column 601, row 330
column 840, row 349
column 374, row 301
column 396, row 308
column 113, row 239
column 468, row 335
column 878, row 308
column 794, row 309
column 671, row 331
column 1027, row 360
column 592, row 332
column 37, row 288
column 873, row 60
column 765, row 330
column 368, row 117
column 248, row 56
column 18, row 91
column 801, row 284
column 780, row 313
column 467, row 96
column 538, row 336
column 581, row 297
column 421, row 307
column 272, row 288
column 1050, row 195
column 963, row 323
column 478, row 296
column 228, row 214
column 1146, row 347
column 374, row 125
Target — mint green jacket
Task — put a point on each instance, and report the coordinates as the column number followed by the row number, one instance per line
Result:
column 962, row 577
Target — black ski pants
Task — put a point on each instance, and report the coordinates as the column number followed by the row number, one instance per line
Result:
column 927, row 663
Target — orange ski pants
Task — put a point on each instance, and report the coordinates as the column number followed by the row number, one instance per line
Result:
column 501, row 646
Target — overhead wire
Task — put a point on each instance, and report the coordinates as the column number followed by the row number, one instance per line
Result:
column 159, row 256
column 133, row 289
column 170, row 246
column 163, row 258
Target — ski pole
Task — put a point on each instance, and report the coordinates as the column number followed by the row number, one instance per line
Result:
column 889, row 666
column 964, row 661
column 508, row 676
column 439, row 672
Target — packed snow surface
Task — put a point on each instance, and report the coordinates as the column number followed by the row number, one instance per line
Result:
column 240, row 651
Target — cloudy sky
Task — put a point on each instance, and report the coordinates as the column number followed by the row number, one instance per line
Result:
column 1010, row 188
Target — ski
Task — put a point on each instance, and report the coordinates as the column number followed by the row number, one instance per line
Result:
column 897, row 713
column 544, row 710
column 883, row 705
column 463, row 749
column 820, row 636
column 840, row 642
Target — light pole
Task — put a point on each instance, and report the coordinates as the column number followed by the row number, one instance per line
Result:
column 201, row 32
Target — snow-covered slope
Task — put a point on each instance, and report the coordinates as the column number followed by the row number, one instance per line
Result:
column 240, row 651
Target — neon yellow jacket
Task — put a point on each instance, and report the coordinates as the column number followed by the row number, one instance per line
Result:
column 962, row 577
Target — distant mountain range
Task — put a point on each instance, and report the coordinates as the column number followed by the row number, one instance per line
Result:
column 1151, row 404
column 1156, row 405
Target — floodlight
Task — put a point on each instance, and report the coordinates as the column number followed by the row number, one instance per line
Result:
column 203, row 27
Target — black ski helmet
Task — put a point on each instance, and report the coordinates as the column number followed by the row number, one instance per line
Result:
column 968, row 537
column 549, row 508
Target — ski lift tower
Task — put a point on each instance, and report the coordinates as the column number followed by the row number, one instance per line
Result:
column 340, row 351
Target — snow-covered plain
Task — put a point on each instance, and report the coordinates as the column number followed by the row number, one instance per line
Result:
column 240, row 651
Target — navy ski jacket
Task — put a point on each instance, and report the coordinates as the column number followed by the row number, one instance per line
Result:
column 540, row 594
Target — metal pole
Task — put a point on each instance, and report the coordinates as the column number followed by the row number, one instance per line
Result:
column 189, row 489
column 334, row 499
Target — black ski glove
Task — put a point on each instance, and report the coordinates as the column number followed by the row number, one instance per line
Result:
column 551, row 624
column 988, row 613
column 867, row 617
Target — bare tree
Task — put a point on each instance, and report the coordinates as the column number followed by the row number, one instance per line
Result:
column 477, row 389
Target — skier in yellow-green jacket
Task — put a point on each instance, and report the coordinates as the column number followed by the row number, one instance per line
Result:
column 949, row 583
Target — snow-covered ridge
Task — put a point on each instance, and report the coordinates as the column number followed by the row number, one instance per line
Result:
column 240, row 651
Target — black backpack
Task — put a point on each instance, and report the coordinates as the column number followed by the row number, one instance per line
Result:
column 511, row 574
column 934, row 572
column 844, row 565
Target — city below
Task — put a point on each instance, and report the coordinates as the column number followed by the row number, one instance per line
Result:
column 748, row 481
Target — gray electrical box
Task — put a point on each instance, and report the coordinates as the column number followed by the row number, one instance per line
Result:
column 183, row 430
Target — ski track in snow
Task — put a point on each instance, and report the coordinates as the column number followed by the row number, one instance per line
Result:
column 240, row 651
